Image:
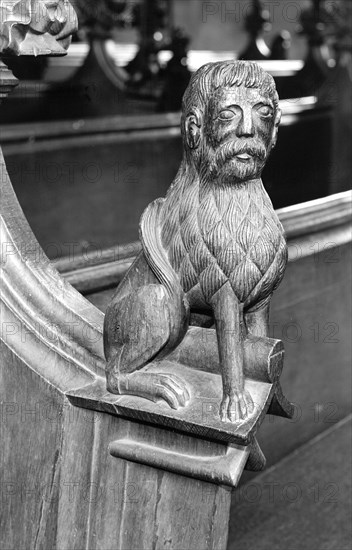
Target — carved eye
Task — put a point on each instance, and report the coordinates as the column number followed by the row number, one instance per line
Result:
column 227, row 114
column 265, row 111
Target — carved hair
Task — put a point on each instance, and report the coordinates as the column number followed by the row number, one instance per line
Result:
column 212, row 76
column 203, row 83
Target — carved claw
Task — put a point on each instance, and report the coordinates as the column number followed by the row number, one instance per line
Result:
column 172, row 389
column 236, row 407
column 152, row 386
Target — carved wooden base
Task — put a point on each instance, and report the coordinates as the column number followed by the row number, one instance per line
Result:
column 239, row 448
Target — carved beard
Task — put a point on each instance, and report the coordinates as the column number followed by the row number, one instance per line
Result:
column 226, row 167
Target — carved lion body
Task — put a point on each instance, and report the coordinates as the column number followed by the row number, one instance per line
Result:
column 229, row 233
column 214, row 244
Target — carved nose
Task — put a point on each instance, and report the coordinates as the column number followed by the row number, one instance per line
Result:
column 245, row 128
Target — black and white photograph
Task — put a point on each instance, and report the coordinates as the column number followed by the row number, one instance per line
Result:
column 176, row 274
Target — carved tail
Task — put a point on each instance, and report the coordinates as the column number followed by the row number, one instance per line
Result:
column 157, row 259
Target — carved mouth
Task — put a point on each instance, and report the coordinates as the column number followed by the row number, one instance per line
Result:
column 244, row 157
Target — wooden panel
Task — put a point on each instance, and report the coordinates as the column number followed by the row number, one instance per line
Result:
column 111, row 503
column 77, row 483
column 31, row 434
column 145, row 507
column 303, row 502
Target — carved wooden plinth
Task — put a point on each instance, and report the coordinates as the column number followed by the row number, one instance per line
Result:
column 237, row 446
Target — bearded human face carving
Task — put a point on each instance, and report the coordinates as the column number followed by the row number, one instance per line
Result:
column 36, row 27
column 239, row 133
column 230, row 122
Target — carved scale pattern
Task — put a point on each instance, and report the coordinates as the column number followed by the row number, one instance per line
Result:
column 218, row 235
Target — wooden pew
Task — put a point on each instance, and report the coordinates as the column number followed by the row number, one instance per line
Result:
column 51, row 344
column 120, row 164
column 65, row 483
column 56, row 473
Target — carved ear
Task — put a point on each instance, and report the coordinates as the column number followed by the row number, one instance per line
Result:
column 193, row 128
column 276, row 128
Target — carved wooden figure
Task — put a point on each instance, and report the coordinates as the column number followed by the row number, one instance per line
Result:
column 213, row 253
column 30, row 27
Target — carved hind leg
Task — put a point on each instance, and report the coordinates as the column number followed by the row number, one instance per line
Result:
column 257, row 323
column 137, row 328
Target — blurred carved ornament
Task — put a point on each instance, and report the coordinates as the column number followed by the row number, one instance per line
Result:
column 99, row 18
column 36, row 27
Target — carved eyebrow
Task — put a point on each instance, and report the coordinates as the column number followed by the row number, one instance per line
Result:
column 226, row 107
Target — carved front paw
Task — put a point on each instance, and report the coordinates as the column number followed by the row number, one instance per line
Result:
column 236, row 407
column 152, row 386
column 171, row 389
